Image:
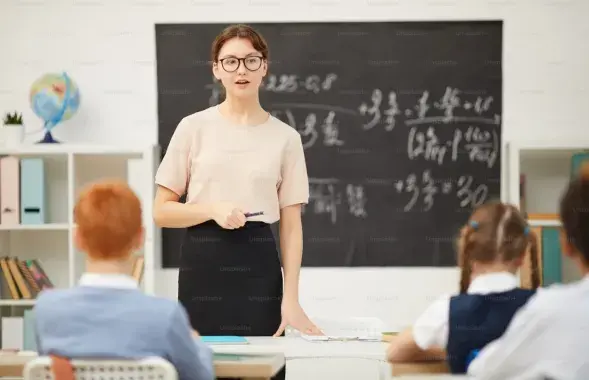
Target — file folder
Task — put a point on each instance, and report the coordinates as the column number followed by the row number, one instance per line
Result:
column 32, row 189
column 9, row 191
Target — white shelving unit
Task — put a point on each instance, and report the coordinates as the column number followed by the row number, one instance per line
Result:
column 547, row 167
column 67, row 169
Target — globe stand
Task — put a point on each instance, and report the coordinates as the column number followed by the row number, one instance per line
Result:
column 48, row 139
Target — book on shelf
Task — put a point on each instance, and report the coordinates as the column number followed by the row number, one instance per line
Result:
column 25, row 279
column 22, row 279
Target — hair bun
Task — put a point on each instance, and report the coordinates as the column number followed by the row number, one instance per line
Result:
column 584, row 171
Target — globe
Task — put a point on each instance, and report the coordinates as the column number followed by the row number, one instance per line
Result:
column 54, row 98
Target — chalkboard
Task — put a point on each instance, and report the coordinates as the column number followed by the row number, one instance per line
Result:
column 401, row 123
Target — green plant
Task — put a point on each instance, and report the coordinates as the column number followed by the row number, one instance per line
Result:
column 13, row 119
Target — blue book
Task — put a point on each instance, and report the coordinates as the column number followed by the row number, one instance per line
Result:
column 224, row 339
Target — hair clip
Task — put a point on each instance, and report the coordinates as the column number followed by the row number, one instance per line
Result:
column 527, row 230
column 474, row 224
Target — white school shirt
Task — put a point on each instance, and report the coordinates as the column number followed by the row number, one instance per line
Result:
column 548, row 338
column 431, row 328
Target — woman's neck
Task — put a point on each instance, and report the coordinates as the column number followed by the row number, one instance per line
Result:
column 243, row 111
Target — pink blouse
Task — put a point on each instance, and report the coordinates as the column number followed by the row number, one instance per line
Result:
column 258, row 168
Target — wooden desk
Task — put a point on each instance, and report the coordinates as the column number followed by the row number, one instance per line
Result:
column 244, row 366
column 437, row 367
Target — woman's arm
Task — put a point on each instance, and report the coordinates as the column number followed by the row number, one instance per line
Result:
column 168, row 212
column 291, row 248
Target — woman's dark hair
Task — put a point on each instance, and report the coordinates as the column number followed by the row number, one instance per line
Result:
column 496, row 230
column 574, row 212
column 239, row 31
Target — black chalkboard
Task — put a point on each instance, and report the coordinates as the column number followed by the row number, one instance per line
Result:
column 401, row 123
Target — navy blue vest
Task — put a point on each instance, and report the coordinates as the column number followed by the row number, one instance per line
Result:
column 476, row 320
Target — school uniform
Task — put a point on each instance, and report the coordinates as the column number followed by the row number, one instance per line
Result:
column 464, row 323
column 547, row 339
column 230, row 281
column 107, row 316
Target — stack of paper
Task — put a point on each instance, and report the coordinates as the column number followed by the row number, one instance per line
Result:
column 364, row 329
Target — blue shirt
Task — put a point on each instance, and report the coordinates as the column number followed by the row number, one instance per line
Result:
column 107, row 316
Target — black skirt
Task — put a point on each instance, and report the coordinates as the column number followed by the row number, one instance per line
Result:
column 230, row 281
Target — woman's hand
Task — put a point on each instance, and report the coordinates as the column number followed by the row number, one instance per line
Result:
column 294, row 316
column 228, row 216
column 195, row 334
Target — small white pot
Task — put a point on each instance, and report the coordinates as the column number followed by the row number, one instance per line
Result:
column 11, row 135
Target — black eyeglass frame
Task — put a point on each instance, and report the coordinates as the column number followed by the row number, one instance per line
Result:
column 239, row 61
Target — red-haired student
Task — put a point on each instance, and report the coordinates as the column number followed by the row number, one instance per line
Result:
column 107, row 315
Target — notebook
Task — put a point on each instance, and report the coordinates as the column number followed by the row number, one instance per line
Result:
column 224, row 339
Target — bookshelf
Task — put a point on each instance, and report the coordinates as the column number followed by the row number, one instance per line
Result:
column 67, row 168
column 547, row 168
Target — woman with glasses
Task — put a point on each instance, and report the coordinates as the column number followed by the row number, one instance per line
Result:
column 242, row 170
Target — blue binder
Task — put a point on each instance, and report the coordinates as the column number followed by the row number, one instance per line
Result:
column 32, row 191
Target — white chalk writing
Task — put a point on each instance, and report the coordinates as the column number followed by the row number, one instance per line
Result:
column 356, row 200
column 481, row 145
column 331, row 131
column 326, row 195
column 373, row 110
column 294, row 83
column 426, row 188
column 421, row 112
column 324, row 122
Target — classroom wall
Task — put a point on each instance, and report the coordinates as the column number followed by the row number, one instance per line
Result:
column 108, row 46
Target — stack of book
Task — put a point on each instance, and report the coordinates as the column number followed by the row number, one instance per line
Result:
column 22, row 279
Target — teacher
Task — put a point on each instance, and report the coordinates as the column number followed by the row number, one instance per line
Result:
column 241, row 169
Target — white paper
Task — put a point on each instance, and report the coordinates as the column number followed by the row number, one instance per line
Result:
column 365, row 329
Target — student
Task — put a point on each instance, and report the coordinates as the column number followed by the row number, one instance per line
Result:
column 491, row 248
column 549, row 337
column 107, row 315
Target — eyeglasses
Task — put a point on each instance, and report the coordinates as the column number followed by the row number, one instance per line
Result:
column 231, row 64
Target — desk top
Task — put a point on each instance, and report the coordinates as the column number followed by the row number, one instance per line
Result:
column 297, row 347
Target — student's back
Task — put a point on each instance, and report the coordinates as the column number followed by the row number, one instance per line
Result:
column 100, row 320
column 549, row 337
column 476, row 320
column 107, row 316
column 492, row 247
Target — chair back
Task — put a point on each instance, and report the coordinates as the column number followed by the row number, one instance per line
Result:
column 57, row 368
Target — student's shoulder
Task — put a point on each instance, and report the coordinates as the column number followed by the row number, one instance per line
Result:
column 166, row 307
column 551, row 296
column 52, row 297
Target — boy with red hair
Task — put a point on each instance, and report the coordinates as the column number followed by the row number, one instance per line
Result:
column 107, row 315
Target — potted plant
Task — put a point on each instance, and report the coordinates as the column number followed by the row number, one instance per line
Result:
column 12, row 131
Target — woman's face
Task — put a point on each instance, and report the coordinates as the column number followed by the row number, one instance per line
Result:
column 240, row 68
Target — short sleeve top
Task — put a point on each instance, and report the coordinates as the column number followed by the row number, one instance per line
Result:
column 259, row 168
